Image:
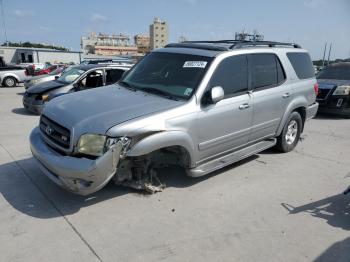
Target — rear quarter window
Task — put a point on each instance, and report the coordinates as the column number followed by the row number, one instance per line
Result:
column 302, row 65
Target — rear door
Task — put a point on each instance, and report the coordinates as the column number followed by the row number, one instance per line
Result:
column 270, row 94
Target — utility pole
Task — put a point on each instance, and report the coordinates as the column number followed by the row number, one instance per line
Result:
column 3, row 21
column 329, row 53
column 324, row 54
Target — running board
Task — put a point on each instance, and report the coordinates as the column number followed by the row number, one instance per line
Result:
column 233, row 157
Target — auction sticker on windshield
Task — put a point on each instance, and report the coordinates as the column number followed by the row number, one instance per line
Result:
column 195, row 64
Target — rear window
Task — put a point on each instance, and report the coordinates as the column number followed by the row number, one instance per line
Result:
column 302, row 65
column 266, row 71
column 113, row 75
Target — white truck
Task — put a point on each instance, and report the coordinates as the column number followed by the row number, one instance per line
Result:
column 10, row 75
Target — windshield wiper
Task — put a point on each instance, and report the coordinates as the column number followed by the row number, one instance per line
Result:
column 127, row 85
column 159, row 92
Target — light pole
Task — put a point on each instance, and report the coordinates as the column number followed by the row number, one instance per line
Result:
column 3, row 21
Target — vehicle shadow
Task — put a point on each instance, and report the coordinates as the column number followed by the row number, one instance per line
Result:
column 29, row 191
column 176, row 176
column 335, row 210
column 26, row 189
column 338, row 252
column 22, row 111
column 328, row 116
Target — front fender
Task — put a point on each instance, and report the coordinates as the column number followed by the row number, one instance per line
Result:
column 296, row 103
column 162, row 140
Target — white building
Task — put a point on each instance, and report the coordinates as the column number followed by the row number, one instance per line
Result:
column 15, row 55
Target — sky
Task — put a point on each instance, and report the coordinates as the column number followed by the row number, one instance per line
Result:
column 310, row 23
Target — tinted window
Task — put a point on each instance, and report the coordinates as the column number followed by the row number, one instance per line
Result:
column 168, row 74
column 302, row 65
column 113, row 76
column 266, row 70
column 232, row 75
column 339, row 72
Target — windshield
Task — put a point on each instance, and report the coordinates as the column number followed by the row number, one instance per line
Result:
column 168, row 74
column 70, row 75
column 56, row 71
column 341, row 72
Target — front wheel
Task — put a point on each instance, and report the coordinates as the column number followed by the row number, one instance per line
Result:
column 9, row 81
column 290, row 135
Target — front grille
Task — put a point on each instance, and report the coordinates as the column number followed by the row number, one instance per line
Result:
column 323, row 93
column 55, row 132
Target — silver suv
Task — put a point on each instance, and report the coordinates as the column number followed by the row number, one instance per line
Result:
column 200, row 105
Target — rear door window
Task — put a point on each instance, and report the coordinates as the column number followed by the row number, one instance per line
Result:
column 302, row 65
column 266, row 71
column 113, row 75
column 232, row 75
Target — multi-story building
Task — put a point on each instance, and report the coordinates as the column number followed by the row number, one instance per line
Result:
column 103, row 44
column 158, row 34
column 143, row 43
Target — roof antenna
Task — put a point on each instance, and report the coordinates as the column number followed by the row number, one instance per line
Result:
column 324, row 54
column 329, row 53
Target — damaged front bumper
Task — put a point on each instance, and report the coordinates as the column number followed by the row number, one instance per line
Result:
column 78, row 175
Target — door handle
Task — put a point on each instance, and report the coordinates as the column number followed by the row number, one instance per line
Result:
column 286, row 95
column 244, row 106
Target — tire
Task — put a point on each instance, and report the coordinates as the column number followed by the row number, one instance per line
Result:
column 290, row 135
column 9, row 81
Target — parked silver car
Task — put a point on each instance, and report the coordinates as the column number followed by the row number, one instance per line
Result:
column 200, row 105
column 77, row 78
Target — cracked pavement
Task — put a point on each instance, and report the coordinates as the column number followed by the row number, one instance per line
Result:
column 269, row 207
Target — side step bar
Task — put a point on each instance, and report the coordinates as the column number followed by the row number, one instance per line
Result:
column 233, row 157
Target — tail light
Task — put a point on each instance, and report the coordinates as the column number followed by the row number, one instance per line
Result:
column 316, row 88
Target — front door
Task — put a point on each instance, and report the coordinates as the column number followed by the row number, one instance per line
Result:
column 225, row 125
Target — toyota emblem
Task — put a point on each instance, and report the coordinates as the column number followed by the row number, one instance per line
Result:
column 48, row 130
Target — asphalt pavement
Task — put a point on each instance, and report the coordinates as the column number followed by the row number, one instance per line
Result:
column 269, row 207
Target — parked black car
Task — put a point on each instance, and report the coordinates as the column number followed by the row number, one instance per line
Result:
column 334, row 89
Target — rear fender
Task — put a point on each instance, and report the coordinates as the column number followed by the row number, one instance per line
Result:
column 10, row 74
column 296, row 103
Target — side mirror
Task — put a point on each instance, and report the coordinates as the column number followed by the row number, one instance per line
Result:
column 217, row 94
column 56, row 77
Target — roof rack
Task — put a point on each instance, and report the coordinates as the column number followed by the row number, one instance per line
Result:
column 202, row 45
column 230, row 44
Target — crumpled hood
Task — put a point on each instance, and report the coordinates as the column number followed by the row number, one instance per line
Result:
column 45, row 86
column 97, row 110
column 331, row 83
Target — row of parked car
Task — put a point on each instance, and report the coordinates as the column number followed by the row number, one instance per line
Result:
column 200, row 105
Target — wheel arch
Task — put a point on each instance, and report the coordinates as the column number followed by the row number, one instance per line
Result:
column 162, row 140
column 298, row 105
column 9, row 75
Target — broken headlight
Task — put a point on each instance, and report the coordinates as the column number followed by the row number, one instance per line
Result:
column 90, row 144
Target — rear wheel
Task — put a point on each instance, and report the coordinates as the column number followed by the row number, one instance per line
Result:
column 9, row 81
column 290, row 135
